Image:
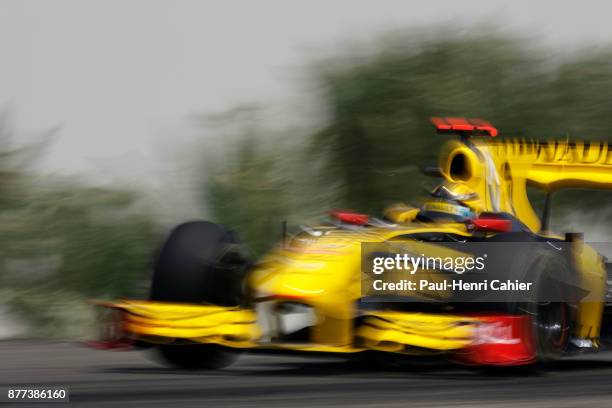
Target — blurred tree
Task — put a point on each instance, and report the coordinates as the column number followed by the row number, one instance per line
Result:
column 62, row 242
column 378, row 133
column 249, row 194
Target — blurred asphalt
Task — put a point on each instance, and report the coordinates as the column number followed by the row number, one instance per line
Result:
column 130, row 379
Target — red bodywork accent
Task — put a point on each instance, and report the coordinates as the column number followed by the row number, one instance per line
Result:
column 492, row 224
column 503, row 340
column 463, row 125
column 349, row 217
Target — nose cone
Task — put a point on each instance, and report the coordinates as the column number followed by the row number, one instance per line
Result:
column 330, row 285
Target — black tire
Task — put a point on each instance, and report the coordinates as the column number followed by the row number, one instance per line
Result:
column 197, row 356
column 551, row 307
column 200, row 262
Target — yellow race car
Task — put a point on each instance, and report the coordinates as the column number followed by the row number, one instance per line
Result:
column 542, row 296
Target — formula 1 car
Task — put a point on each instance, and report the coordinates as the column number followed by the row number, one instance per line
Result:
column 208, row 302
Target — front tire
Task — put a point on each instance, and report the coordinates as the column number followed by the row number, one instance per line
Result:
column 197, row 356
column 200, row 262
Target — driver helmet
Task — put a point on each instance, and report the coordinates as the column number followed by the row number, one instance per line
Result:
column 450, row 202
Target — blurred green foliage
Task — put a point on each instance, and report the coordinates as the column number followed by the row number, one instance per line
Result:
column 376, row 135
column 260, row 181
column 62, row 243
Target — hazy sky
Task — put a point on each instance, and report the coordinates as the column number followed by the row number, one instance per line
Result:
column 117, row 75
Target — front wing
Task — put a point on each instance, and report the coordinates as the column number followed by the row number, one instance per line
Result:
column 482, row 339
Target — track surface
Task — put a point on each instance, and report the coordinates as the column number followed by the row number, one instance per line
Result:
column 130, row 379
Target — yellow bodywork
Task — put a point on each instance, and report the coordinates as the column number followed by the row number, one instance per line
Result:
column 323, row 271
column 392, row 331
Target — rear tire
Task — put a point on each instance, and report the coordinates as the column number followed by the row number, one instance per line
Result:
column 200, row 262
column 550, row 308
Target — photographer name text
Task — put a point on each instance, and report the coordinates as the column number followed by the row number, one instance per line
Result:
column 455, row 285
